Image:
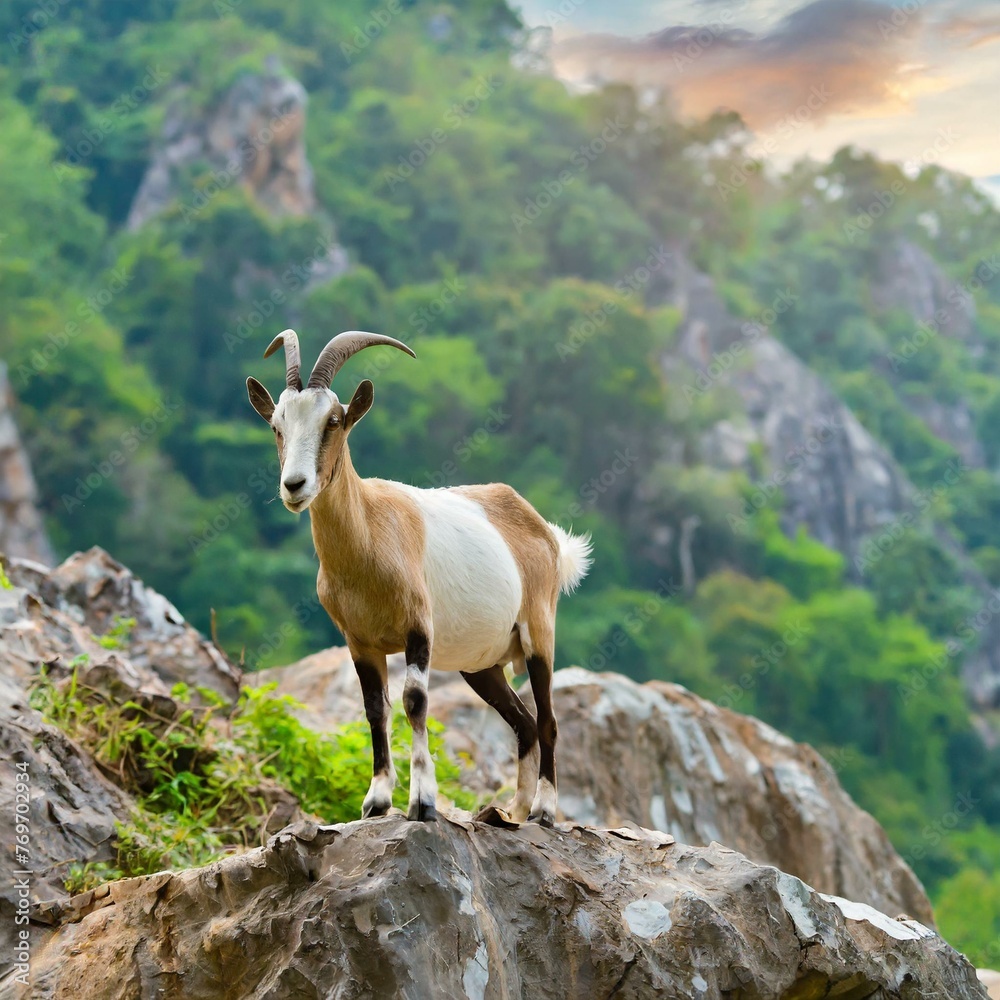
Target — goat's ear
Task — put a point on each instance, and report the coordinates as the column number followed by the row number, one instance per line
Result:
column 361, row 402
column 260, row 398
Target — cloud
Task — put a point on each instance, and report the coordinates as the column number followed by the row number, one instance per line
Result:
column 969, row 31
column 856, row 52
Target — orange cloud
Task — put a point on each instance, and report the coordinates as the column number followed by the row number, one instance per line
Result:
column 830, row 56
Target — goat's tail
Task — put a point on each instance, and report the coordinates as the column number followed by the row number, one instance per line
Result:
column 574, row 558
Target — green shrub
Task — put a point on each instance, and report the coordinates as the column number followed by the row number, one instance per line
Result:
column 206, row 776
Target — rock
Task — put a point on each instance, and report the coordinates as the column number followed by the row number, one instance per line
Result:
column 21, row 531
column 908, row 278
column 695, row 771
column 255, row 135
column 72, row 808
column 388, row 908
column 837, row 480
column 55, row 616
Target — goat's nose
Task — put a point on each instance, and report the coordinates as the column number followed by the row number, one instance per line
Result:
column 294, row 485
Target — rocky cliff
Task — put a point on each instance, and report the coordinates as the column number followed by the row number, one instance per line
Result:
column 466, row 908
column 387, row 908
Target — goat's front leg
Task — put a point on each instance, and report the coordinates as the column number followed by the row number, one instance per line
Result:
column 374, row 675
column 423, row 783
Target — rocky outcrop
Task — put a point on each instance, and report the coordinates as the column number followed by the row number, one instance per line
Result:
column 72, row 814
column 253, row 136
column 55, row 616
column 21, row 531
column 837, row 480
column 695, row 771
column 382, row 908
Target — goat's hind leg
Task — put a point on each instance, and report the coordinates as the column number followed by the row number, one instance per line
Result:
column 374, row 677
column 491, row 685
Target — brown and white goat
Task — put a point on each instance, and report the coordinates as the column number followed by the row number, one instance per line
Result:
column 464, row 579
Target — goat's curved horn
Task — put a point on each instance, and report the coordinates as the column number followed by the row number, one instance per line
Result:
column 343, row 346
column 293, row 360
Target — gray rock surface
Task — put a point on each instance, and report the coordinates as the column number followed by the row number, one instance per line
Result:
column 388, row 908
column 54, row 616
column 22, row 533
column 72, row 812
column 254, row 137
column 656, row 755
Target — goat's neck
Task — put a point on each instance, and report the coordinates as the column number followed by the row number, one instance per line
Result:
column 339, row 523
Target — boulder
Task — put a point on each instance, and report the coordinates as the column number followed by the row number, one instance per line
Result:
column 55, row 616
column 656, row 755
column 388, row 908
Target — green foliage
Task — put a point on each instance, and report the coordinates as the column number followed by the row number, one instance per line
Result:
column 206, row 777
column 117, row 636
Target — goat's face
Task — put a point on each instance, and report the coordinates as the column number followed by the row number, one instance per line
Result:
column 310, row 429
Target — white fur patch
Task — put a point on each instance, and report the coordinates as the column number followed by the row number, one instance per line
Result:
column 474, row 583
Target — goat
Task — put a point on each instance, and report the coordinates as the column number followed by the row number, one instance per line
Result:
column 460, row 579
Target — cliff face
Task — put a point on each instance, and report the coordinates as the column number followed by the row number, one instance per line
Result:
column 388, row 908
column 21, row 531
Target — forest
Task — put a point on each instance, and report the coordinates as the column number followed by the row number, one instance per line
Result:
column 513, row 234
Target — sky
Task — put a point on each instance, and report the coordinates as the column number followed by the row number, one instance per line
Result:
column 915, row 81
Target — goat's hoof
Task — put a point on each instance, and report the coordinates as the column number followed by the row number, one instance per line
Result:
column 542, row 818
column 375, row 809
column 425, row 812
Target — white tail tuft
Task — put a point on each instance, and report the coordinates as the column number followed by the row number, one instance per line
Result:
column 574, row 558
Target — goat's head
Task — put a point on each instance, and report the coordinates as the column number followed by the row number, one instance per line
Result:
column 311, row 424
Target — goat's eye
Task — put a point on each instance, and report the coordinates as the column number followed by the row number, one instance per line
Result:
column 333, row 421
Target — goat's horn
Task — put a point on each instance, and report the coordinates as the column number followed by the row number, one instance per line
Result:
column 293, row 360
column 343, row 346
